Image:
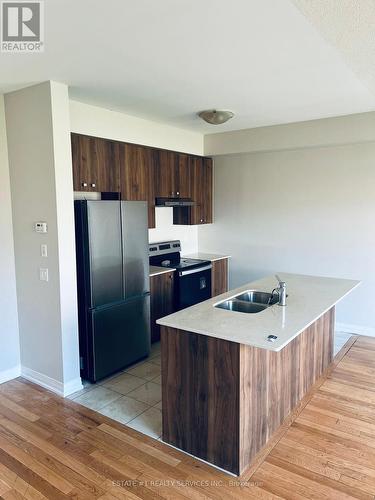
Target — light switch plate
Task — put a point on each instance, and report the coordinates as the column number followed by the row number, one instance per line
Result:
column 44, row 250
column 43, row 274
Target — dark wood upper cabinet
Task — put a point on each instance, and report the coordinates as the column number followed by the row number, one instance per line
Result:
column 207, row 204
column 166, row 178
column 201, row 213
column 184, row 176
column 95, row 167
column 173, row 175
column 80, row 162
column 201, row 193
column 144, row 173
column 137, row 176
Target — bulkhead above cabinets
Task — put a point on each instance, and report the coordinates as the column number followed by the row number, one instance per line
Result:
column 144, row 173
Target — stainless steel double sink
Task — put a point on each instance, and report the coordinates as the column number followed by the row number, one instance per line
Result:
column 250, row 301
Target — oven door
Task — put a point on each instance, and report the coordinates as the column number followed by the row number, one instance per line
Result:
column 193, row 286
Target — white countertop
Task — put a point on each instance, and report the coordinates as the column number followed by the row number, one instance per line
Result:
column 154, row 270
column 206, row 256
column 308, row 298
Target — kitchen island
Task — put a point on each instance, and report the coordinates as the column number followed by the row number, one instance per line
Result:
column 226, row 388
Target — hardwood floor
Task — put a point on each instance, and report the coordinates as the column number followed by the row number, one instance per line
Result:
column 54, row 448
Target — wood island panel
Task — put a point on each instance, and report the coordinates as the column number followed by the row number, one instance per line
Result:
column 198, row 374
column 272, row 383
column 223, row 401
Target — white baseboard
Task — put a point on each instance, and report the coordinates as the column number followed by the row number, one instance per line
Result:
column 10, row 374
column 357, row 329
column 72, row 386
column 50, row 383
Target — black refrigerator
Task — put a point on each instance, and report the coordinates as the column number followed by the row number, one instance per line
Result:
column 113, row 285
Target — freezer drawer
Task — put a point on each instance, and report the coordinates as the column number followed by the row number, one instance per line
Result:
column 120, row 336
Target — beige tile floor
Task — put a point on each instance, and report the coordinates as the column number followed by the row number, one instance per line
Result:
column 133, row 397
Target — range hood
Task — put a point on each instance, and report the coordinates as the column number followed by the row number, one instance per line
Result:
column 174, row 202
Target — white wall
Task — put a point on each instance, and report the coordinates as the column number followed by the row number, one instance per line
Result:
column 38, row 131
column 305, row 211
column 9, row 338
column 101, row 122
column 358, row 128
column 66, row 234
column 165, row 230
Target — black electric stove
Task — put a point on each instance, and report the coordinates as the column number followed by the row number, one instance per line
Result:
column 193, row 276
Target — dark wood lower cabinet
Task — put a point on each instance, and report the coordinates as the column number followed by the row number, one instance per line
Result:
column 223, row 401
column 219, row 277
column 161, row 300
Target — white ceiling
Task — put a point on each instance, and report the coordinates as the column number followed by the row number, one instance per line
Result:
column 349, row 25
column 270, row 61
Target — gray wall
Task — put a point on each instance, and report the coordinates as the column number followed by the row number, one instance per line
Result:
column 9, row 341
column 38, row 131
column 306, row 211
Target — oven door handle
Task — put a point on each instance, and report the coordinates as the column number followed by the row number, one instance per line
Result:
column 196, row 270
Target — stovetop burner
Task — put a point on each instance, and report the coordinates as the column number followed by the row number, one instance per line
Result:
column 183, row 263
column 167, row 254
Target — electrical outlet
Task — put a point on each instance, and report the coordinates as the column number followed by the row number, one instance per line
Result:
column 43, row 274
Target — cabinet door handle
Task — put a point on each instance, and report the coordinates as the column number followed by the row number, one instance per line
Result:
column 178, row 192
column 93, row 184
column 202, row 220
column 84, row 184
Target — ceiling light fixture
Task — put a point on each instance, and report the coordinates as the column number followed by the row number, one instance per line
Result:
column 215, row 116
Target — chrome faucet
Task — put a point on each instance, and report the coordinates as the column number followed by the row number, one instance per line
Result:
column 281, row 291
